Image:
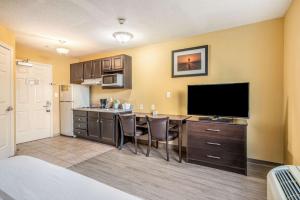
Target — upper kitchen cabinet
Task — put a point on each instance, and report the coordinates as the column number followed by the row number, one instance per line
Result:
column 92, row 69
column 115, row 72
column 106, row 64
column 115, row 63
column 76, row 73
column 97, row 68
column 88, row 70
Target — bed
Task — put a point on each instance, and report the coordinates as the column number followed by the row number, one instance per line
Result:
column 27, row 178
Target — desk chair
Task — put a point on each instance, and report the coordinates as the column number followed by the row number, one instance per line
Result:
column 158, row 129
column 128, row 128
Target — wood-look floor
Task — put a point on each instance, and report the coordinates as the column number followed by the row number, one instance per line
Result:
column 154, row 178
column 61, row 150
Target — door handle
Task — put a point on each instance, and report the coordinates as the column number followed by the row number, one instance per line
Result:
column 213, row 130
column 213, row 143
column 9, row 108
column 213, row 157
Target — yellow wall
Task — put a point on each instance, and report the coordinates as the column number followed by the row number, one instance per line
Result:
column 292, row 83
column 7, row 37
column 61, row 72
column 60, row 64
column 252, row 53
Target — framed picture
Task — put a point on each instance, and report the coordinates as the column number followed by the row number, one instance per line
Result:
column 190, row 62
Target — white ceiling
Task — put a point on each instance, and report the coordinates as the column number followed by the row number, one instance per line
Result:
column 87, row 25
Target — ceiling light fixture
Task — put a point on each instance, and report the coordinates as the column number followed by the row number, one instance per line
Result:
column 62, row 50
column 121, row 36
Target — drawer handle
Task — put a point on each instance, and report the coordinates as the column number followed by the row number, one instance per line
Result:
column 213, row 130
column 97, row 121
column 214, row 157
column 79, row 126
column 213, row 143
column 78, row 132
column 79, row 119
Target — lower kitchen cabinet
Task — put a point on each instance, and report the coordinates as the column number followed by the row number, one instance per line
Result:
column 80, row 123
column 108, row 131
column 94, row 126
column 97, row 126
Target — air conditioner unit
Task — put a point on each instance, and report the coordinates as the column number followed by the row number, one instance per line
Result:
column 283, row 183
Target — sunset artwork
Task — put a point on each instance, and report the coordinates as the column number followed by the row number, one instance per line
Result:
column 189, row 62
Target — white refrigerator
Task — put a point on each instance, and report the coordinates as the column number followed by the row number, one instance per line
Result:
column 71, row 96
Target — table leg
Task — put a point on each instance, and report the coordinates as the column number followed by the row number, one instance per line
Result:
column 180, row 141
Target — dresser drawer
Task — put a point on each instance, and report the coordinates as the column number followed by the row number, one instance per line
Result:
column 216, row 157
column 80, row 119
column 79, row 125
column 80, row 132
column 212, row 142
column 80, row 113
column 218, row 129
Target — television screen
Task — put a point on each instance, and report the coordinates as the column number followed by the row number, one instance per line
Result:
column 228, row 100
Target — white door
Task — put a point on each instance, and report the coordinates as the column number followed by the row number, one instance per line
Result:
column 33, row 102
column 6, row 121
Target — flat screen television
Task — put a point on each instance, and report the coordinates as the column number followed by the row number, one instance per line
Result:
column 220, row 100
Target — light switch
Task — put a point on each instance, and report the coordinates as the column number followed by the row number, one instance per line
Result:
column 141, row 107
column 168, row 94
column 152, row 107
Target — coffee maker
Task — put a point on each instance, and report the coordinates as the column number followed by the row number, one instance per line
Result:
column 103, row 103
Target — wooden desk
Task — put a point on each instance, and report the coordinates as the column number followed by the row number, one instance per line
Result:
column 178, row 119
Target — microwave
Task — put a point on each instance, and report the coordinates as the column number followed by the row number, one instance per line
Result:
column 115, row 80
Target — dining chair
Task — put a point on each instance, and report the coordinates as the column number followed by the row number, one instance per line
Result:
column 158, row 129
column 128, row 128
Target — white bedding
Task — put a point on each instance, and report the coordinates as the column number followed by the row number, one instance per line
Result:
column 27, row 178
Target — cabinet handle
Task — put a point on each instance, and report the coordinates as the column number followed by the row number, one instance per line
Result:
column 78, row 132
column 213, row 130
column 79, row 125
column 79, row 119
column 213, row 143
column 214, row 157
column 98, row 121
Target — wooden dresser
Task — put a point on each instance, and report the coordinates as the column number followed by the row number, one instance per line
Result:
column 221, row 145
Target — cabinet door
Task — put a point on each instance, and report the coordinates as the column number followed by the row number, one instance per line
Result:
column 94, row 129
column 117, row 63
column 76, row 73
column 106, row 64
column 97, row 72
column 108, row 131
column 88, row 70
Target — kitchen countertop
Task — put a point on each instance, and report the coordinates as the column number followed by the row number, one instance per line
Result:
column 108, row 110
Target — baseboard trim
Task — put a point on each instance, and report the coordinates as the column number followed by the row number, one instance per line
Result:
column 263, row 162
